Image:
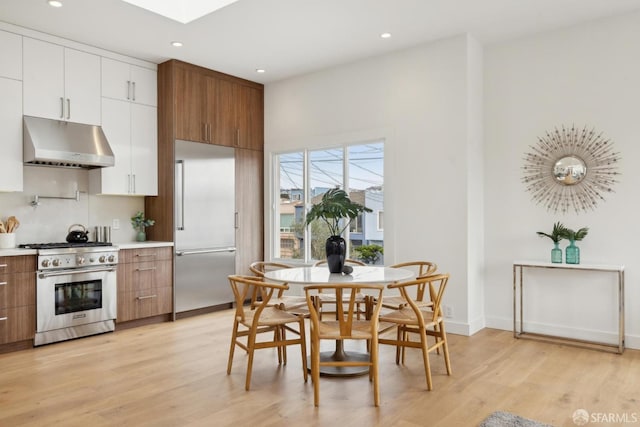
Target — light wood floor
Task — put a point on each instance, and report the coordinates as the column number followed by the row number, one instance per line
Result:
column 174, row 374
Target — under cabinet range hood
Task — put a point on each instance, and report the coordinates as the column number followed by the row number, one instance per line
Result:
column 65, row 144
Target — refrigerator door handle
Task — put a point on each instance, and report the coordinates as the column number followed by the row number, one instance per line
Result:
column 180, row 195
column 205, row 251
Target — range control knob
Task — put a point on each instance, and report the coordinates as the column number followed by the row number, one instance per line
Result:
column 80, row 260
column 112, row 258
column 102, row 258
column 55, row 262
column 45, row 263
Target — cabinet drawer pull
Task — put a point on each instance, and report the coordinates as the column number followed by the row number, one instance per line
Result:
column 3, row 283
column 147, row 297
column 68, row 108
column 128, row 89
column 61, row 107
column 133, row 85
column 3, row 318
column 3, row 265
column 145, row 269
column 145, row 255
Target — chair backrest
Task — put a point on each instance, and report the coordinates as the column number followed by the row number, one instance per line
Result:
column 347, row 261
column 435, row 284
column 421, row 268
column 260, row 267
column 346, row 296
column 243, row 286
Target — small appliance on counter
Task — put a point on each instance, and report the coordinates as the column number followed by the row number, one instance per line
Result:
column 102, row 233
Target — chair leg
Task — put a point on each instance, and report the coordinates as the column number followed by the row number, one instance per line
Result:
column 425, row 357
column 303, row 350
column 283, row 337
column 398, row 346
column 232, row 347
column 374, row 368
column 251, row 342
column 315, row 371
column 276, row 338
column 445, row 349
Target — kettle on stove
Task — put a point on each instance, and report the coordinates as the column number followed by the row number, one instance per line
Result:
column 77, row 236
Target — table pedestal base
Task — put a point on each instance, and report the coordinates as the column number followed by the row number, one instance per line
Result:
column 340, row 355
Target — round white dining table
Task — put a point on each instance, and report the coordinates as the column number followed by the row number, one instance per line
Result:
column 321, row 275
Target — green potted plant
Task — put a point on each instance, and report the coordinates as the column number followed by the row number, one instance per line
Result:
column 368, row 253
column 572, row 252
column 557, row 234
column 139, row 223
column 337, row 210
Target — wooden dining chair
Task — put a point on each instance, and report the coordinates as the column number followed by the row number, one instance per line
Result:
column 291, row 303
column 420, row 320
column 420, row 269
column 328, row 298
column 345, row 326
column 265, row 318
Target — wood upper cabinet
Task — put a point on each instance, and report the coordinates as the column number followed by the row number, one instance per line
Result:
column 190, row 105
column 217, row 109
column 249, row 117
column 17, row 298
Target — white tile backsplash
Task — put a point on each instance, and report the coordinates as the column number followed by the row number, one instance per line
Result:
column 50, row 221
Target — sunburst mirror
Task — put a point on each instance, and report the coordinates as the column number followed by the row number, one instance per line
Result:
column 570, row 168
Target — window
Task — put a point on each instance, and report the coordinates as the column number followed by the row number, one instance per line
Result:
column 304, row 176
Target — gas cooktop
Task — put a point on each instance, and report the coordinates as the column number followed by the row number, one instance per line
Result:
column 63, row 245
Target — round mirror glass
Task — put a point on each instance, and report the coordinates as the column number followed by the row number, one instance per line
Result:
column 569, row 170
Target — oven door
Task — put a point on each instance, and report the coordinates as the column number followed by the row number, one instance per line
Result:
column 75, row 297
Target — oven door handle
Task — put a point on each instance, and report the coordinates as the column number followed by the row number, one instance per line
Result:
column 76, row 271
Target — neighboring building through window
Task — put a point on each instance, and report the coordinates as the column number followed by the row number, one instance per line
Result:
column 303, row 177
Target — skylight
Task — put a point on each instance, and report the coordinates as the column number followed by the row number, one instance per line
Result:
column 183, row 11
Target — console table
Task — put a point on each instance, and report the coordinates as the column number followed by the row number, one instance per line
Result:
column 519, row 266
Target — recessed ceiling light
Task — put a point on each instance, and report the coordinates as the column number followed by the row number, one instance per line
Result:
column 176, row 44
column 55, row 3
column 385, row 35
column 260, row 70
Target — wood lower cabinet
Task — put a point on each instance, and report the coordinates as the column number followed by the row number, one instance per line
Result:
column 145, row 279
column 17, row 298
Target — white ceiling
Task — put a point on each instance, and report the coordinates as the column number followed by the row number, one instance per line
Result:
column 292, row 37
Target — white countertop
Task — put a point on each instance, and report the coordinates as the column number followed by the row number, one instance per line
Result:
column 17, row 252
column 141, row 245
column 120, row 245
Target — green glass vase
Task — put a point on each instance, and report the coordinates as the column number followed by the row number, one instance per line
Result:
column 556, row 253
column 572, row 253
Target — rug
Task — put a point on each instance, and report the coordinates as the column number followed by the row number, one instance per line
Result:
column 505, row 419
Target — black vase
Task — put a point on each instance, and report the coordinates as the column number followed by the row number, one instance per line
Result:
column 336, row 249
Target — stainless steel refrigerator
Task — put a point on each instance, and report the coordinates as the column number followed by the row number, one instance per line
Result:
column 205, row 225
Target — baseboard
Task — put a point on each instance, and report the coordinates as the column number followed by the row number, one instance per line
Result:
column 631, row 341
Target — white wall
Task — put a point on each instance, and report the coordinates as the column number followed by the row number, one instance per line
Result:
column 50, row 221
column 418, row 101
column 585, row 75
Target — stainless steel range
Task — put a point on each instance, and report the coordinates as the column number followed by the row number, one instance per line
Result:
column 76, row 291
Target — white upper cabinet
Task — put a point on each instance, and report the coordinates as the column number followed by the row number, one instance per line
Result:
column 128, row 82
column 60, row 83
column 11, row 57
column 11, row 135
column 131, row 130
